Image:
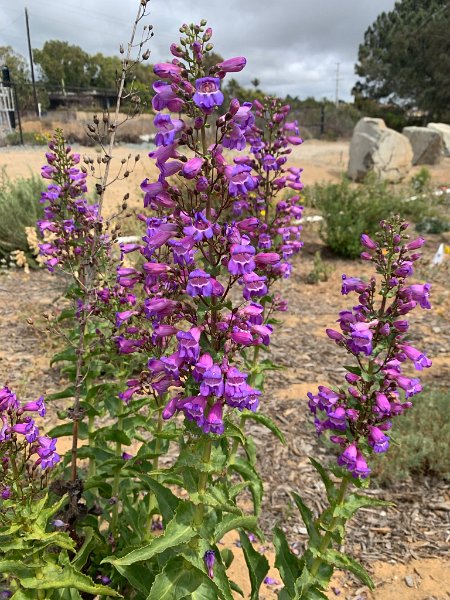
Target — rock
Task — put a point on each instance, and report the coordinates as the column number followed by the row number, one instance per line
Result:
column 427, row 145
column 409, row 580
column 444, row 130
column 376, row 148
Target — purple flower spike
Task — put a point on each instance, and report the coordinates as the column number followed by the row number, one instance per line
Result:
column 208, row 95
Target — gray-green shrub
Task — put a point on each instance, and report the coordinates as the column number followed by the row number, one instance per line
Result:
column 19, row 208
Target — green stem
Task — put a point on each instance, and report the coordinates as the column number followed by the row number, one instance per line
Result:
column 152, row 501
column 116, row 480
column 235, row 445
column 203, row 482
column 91, row 429
column 328, row 535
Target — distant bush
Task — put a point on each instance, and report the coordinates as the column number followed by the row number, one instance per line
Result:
column 19, row 208
column 33, row 138
column 420, row 443
column 350, row 210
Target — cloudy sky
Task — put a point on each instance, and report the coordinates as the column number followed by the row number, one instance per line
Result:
column 292, row 46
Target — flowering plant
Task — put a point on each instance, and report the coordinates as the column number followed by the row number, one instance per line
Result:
column 359, row 414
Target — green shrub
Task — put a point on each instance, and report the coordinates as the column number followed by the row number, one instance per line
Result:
column 420, row 441
column 19, row 208
column 32, row 138
column 352, row 209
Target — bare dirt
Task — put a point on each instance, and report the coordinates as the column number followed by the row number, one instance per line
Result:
column 406, row 546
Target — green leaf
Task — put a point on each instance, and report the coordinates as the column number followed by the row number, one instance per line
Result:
column 67, row 355
column 347, row 563
column 82, row 556
column 248, row 473
column 354, row 502
column 69, row 392
column 56, row 577
column 176, row 581
column 99, row 483
column 178, row 531
column 288, row 565
column 67, row 429
column 266, row 421
column 257, row 565
column 167, row 501
column 23, row 595
column 113, row 435
column 140, row 576
column 205, row 592
column 329, row 485
column 231, row 522
column 308, row 520
column 17, row 568
column 352, row 369
column 227, row 557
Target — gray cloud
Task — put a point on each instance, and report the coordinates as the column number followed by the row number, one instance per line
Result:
column 292, row 46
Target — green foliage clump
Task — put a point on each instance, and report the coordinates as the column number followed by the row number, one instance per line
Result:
column 19, row 208
column 321, row 271
column 420, row 440
column 350, row 210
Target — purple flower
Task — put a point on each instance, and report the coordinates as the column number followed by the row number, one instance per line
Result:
column 378, row 440
column 170, row 408
column 419, row 359
column 199, row 284
column 352, row 284
column 212, row 382
column 411, row 386
column 419, row 293
column 209, row 559
column 193, row 408
column 214, row 422
column 254, row 286
column 361, row 338
column 240, row 179
column 200, row 229
column 192, row 167
column 183, row 253
column 28, row 429
column 368, row 242
column 37, row 406
column 232, row 65
column 235, row 383
column 360, row 468
column 348, row 457
column 234, row 139
column 241, row 260
column 188, row 344
column 166, row 98
column 207, row 94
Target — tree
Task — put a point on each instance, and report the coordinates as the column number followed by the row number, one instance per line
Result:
column 64, row 64
column 405, row 57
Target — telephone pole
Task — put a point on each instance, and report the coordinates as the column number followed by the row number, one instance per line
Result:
column 31, row 64
column 336, row 98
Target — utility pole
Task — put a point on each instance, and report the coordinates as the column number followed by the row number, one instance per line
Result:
column 31, row 64
column 336, row 98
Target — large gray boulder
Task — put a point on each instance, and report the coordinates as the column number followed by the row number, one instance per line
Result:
column 426, row 143
column 376, row 148
column 444, row 130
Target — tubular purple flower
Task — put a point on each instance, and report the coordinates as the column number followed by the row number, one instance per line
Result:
column 254, row 286
column 419, row 293
column 415, row 244
column 212, row 382
column 193, row 167
column 209, row 559
column 368, row 242
column 199, row 284
column 232, row 65
column 214, row 420
column 352, row 284
column 165, row 70
column 334, row 335
column 208, row 95
column 241, row 260
column 378, row 440
column 170, row 408
column 37, row 406
column 419, row 359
